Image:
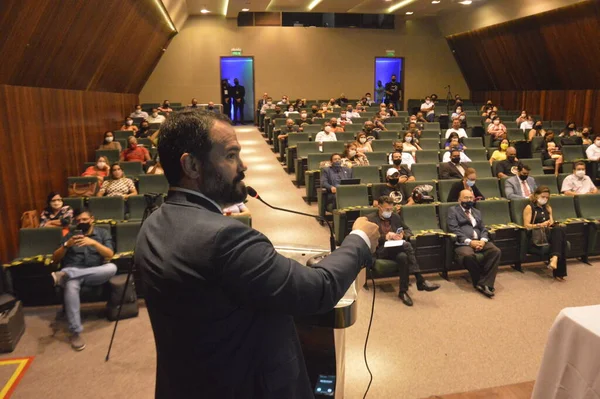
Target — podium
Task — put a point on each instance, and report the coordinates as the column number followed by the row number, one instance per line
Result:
column 323, row 342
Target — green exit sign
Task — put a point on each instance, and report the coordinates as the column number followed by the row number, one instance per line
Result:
column 236, row 51
column 390, row 53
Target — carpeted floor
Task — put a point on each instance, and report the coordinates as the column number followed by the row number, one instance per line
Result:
column 452, row 340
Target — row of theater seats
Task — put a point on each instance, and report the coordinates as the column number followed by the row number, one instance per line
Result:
column 144, row 183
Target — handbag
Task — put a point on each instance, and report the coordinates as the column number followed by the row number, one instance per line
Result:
column 30, row 219
column 82, row 189
column 539, row 235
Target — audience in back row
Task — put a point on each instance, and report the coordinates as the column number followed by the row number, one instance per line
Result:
column 128, row 125
column 109, row 142
column 138, row 113
column 118, row 185
column 155, row 117
column 100, row 170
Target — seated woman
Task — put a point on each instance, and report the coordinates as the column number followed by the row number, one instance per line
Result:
column 454, row 142
column 118, row 185
column 100, row 170
column 496, row 130
column 410, row 144
column 128, row 125
column 466, row 183
column 109, row 142
column 587, row 135
column 352, row 157
column 362, row 143
column 538, row 215
column 144, row 130
column 56, row 213
column 552, row 156
column 238, row 209
column 537, row 131
column 500, row 153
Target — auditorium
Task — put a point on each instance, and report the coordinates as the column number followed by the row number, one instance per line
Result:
column 293, row 199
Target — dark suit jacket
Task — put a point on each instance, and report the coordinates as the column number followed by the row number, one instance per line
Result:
column 457, row 187
column 396, row 222
column 221, row 302
column 460, row 224
column 238, row 92
column 448, row 170
column 331, row 177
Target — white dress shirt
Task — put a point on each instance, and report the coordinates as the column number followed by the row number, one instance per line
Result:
column 141, row 114
column 593, row 152
column 463, row 157
column 460, row 131
column 527, row 125
column 322, row 136
column 159, row 119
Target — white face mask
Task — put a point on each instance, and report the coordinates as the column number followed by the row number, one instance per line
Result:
column 580, row 173
column 154, row 114
column 363, row 140
column 101, row 165
column 129, row 123
column 343, row 115
column 269, row 102
column 351, row 153
column 408, row 139
column 368, row 98
column 496, row 122
column 138, row 111
column 327, row 129
column 542, row 201
column 324, row 108
column 109, row 139
column 386, row 214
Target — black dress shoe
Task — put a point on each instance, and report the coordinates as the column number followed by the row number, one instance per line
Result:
column 427, row 286
column 485, row 291
column 405, row 298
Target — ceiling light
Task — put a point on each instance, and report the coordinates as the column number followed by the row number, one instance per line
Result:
column 204, row 11
column 245, row 9
column 225, row 7
column 313, row 4
column 400, row 5
column 409, row 13
column 436, row 2
column 465, row 2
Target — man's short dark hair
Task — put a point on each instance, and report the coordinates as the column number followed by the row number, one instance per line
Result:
column 79, row 211
column 185, row 132
column 384, row 199
column 453, row 150
column 576, row 164
column 333, row 155
column 521, row 167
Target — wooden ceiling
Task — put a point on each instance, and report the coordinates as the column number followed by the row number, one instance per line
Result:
column 555, row 50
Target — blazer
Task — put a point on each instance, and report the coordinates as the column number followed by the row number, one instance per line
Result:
column 457, row 187
column 448, row 170
column 331, row 177
column 514, row 189
column 221, row 302
column 460, row 225
column 396, row 221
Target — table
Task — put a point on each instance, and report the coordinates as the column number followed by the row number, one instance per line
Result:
column 571, row 363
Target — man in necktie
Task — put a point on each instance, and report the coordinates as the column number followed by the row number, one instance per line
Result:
column 472, row 238
column 521, row 185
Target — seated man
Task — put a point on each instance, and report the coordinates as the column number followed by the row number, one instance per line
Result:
column 210, row 107
column 578, row 183
column 394, row 187
column 351, row 113
column 398, row 162
column 84, row 257
column 326, row 134
column 428, row 108
column 138, row 113
column 456, row 129
column 332, row 176
column 520, row 186
column 509, row 166
column 471, row 236
column 593, row 151
column 369, row 129
column 406, row 158
column 455, row 168
column 303, row 120
column 334, row 124
column 287, row 129
column 134, row 152
column 277, row 115
column 155, row 117
column 193, row 105
column 392, row 228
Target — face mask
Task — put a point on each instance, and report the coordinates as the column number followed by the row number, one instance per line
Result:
column 303, row 115
column 84, row 227
column 154, row 114
column 210, row 107
column 101, row 165
column 369, row 128
column 166, row 105
column 386, row 214
column 269, row 102
column 470, row 183
column 538, row 127
column 336, row 164
column 133, row 146
column 511, row 158
column 523, row 177
column 349, row 110
column 542, row 201
column 343, row 116
column 333, row 124
column 137, row 111
column 314, row 111
column 144, row 128
column 352, row 154
column 467, row 204
column 408, row 139
column 496, row 122
column 503, row 146
column 324, row 108
column 368, row 98
column 364, row 140
column 129, row 123
column 278, row 111
column 393, row 80
column 393, row 182
column 109, row 139
column 456, row 160
column 580, row 173
column 397, row 162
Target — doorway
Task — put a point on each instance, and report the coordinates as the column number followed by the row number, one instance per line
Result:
column 385, row 67
column 242, row 69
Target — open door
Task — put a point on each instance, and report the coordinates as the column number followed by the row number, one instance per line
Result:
column 385, row 68
column 238, row 99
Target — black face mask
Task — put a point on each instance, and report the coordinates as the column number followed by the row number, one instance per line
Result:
column 211, row 108
column 538, row 127
column 314, row 111
column 393, row 80
column 144, row 128
column 368, row 128
column 84, row 227
column 333, row 124
column 393, row 182
column 511, row 158
column 467, row 204
column 278, row 112
column 397, row 162
column 456, row 160
column 523, row 177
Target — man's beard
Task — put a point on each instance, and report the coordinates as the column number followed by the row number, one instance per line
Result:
column 225, row 193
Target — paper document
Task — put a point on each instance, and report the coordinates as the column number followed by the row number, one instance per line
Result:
column 393, row 243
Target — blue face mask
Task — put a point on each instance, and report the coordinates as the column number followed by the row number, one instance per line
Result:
column 467, row 204
column 336, row 163
column 470, row 183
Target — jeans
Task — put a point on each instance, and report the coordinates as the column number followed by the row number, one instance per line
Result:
column 430, row 117
column 77, row 276
column 407, row 263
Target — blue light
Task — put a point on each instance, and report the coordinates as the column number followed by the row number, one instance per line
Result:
column 243, row 69
column 385, row 68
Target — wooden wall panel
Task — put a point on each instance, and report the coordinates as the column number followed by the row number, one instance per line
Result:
column 580, row 106
column 45, row 136
column 95, row 45
column 555, row 50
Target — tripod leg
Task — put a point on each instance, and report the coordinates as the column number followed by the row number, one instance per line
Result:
column 112, row 338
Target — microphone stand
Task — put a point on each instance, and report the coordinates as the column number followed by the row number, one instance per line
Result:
column 331, row 235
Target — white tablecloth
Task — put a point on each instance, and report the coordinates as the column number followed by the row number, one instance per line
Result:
column 571, row 364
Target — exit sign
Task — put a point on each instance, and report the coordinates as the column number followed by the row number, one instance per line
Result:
column 236, row 51
column 390, row 53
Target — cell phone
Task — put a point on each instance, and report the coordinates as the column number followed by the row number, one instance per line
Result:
column 77, row 232
column 400, row 230
column 325, row 385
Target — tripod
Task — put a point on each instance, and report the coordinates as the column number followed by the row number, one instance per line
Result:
column 151, row 206
column 448, row 99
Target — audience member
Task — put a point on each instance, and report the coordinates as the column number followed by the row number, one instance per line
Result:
column 289, row 127
column 334, row 124
column 259, row 106
column 284, row 100
column 210, row 107
column 454, row 168
column 570, row 137
column 238, row 209
column 468, row 182
column 332, row 176
column 352, row 157
column 128, row 125
column 447, row 157
column 155, row 169
column 326, row 134
column 413, row 119
column 277, row 115
column 118, row 185
column 193, row 105
column 134, row 152
column 138, row 113
column 520, row 186
column 369, row 130
column 500, row 153
column 303, row 120
column 509, row 166
column 368, row 100
column 537, row 215
column 342, row 100
column 552, row 156
column 392, row 110
column 144, row 130
column 569, row 130
column 496, row 130
column 109, row 142
column 395, row 177
column 578, row 183
column 522, row 118
column 527, row 124
column 99, row 170
column 593, row 151
column 350, row 113
column 56, row 213
column 267, row 105
column 486, row 106
column 420, row 118
column 155, row 117
column 362, row 143
column 85, row 256
column 393, row 93
column 393, row 228
column 586, row 136
column 410, row 144
column 454, row 142
column 536, row 131
column 379, row 92
column 166, row 107
column 428, row 107
column 456, row 129
column 472, row 237
column 399, row 155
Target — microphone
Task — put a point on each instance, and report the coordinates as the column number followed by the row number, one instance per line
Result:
column 252, row 192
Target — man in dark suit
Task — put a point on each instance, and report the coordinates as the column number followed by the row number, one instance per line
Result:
column 238, row 93
column 332, row 176
column 221, row 300
column 392, row 228
column 453, row 169
column 226, row 97
column 472, row 237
